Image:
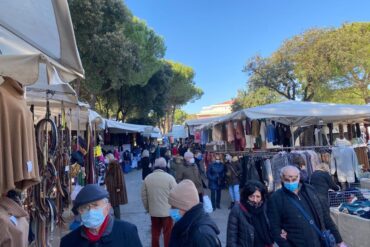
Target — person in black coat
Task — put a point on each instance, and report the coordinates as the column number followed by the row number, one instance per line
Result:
column 145, row 164
column 193, row 227
column 99, row 228
column 248, row 225
column 283, row 214
column 322, row 182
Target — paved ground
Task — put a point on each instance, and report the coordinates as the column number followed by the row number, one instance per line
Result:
column 134, row 212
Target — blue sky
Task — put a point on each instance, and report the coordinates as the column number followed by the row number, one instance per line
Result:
column 217, row 37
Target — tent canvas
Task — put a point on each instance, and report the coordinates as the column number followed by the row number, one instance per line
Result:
column 34, row 32
column 118, row 127
column 297, row 113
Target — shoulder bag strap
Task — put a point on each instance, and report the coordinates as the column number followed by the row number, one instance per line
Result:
column 305, row 215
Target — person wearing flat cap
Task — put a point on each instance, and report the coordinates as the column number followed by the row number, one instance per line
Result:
column 99, row 228
column 193, row 227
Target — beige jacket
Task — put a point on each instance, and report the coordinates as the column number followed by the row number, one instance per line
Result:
column 155, row 192
column 13, row 224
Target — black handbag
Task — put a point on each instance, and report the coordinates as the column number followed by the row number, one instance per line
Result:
column 326, row 236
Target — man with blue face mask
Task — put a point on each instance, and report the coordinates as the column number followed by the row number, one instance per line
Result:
column 99, row 227
column 286, row 208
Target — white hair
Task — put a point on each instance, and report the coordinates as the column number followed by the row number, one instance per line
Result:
column 289, row 167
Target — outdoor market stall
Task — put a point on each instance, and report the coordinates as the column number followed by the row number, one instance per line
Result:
column 36, row 36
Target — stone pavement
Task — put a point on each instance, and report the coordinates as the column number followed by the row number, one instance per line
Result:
column 134, row 212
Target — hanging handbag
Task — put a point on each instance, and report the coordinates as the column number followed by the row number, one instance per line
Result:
column 326, row 236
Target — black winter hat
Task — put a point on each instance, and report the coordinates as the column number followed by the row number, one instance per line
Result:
column 89, row 193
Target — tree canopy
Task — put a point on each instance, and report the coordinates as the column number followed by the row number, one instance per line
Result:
column 126, row 75
column 316, row 64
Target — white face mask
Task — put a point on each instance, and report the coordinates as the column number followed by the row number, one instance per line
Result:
column 191, row 161
column 218, row 161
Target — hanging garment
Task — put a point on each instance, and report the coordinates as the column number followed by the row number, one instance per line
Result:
column 344, row 162
column 249, row 141
column 349, row 132
column 278, row 161
column 217, row 133
column 331, row 138
column 248, row 128
column 342, row 142
column 230, row 132
column 197, row 136
column 362, row 157
column 263, row 131
column 307, row 137
column 267, row 175
column 255, row 128
column 239, row 131
column 18, row 156
column 271, row 133
column 358, row 130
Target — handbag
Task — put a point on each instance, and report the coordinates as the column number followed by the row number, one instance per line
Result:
column 207, row 204
column 326, row 236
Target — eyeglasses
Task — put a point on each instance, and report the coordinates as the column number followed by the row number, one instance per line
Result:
column 93, row 205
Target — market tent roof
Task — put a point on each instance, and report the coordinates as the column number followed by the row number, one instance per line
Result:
column 178, row 131
column 57, row 91
column 78, row 116
column 118, row 127
column 298, row 113
column 203, row 121
column 34, row 32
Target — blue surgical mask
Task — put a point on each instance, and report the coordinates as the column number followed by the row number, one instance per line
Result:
column 291, row 186
column 93, row 218
column 175, row 214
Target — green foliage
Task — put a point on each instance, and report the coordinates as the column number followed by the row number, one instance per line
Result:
column 319, row 61
column 117, row 50
column 260, row 96
column 180, row 117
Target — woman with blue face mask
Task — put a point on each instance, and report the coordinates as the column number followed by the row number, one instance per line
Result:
column 98, row 226
column 216, row 181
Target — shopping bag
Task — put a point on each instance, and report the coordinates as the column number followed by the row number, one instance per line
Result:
column 207, row 204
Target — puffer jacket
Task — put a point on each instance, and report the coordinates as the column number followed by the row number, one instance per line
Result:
column 189, row 171
column 195, row 229
column 216, row 176
column 240, row 232
column 284, row 215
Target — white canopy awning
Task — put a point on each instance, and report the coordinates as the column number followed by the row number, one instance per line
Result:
column 34, row 32
column 293, row 113
column 299, row 113
column 118, row 127
column 57, row 91
column 178, row 131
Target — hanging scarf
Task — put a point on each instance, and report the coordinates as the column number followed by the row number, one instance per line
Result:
column 261, row 230
column 94, row 238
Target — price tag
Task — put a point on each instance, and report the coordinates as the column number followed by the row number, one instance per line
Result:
column 29, row 166
column 13, row 220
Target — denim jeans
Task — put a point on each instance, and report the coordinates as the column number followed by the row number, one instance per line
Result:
column 215, row 198
column 234, row 193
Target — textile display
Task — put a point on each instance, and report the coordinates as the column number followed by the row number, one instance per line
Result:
column 344, row 162
column 353, row 229
column 18, row 160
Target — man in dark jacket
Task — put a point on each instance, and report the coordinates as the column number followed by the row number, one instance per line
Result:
column 283, row 214
column 193, row 227
column 99, row 228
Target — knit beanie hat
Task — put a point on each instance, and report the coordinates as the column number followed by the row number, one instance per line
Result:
column 188, row 155
column 160, row 163
column 184, row 195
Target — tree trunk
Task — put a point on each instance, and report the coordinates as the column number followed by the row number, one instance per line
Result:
column 92, row 101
